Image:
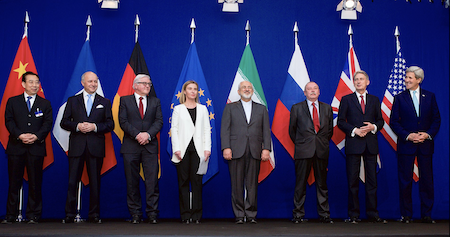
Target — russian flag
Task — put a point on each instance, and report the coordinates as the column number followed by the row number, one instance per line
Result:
column 292, row 93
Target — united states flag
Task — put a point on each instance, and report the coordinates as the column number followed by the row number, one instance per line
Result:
column 396, row 84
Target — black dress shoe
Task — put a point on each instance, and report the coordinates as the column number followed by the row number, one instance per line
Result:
column 8, row 220
column 326, row 219
column 185, row 221
column 298, row 220
column 252, row 221
column 239, row 221
column 68, row 220
column 136, row 219
column 196, row 221
column 152, row 221
column 405, row 219
column 427, row 219
column 95, row 220
column 353, row 220
column 378, row 220
column 33, row 220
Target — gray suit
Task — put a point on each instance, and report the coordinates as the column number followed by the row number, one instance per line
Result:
column 246, row 140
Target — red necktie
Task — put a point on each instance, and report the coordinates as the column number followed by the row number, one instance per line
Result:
column 141, row 107
column 315, row 118
column 363, row 106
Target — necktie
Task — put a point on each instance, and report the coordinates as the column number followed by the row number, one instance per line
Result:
column 141, row 107
column 29, row 103
column 363, row 106
column 416, row 103
column 316, row 118
column 89, row 105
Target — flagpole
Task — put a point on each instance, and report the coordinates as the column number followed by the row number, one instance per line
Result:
column 397, row 34
column 296, row 33
column 20, row 216
column 137, row 23
column 247, row 29
column 27, row 19
column 192, row 30
column 350, row 34
column 88, row 24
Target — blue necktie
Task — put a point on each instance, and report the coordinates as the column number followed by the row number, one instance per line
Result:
column 89, row 104
column 28, row 103
column 416, row 103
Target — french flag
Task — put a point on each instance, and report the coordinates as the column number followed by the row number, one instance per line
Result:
column 292, row 93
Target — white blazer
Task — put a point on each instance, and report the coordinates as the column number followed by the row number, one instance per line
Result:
column 183, row 130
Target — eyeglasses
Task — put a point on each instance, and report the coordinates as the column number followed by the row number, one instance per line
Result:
column 144, row 83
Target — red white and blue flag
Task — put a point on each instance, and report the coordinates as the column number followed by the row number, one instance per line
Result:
column 396, row 85
column 292, row 93
column 346, row 87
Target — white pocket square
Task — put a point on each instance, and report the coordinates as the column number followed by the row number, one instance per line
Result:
column 99, row 107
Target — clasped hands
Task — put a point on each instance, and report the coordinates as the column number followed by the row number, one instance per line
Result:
column 362, row 131
column 143, row 138
column 86, row 127
column 227, row 154
column 28, row 138
column 418, row 137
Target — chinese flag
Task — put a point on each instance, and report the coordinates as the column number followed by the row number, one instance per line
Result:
column 22, row 63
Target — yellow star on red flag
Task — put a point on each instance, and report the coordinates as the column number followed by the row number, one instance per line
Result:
column 21, row 69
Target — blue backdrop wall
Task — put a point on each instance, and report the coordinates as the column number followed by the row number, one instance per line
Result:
column 57, row 32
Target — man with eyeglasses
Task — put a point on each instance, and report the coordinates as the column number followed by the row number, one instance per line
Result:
column 140, row 118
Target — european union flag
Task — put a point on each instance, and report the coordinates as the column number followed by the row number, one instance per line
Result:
column 192, row 70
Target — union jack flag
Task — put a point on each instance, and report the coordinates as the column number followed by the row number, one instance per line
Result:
column 396, row 84
column 346, row 87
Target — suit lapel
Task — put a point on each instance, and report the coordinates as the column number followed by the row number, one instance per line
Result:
column 308, row 114
column 356, row 101
column 241, row 110
column 81, row 101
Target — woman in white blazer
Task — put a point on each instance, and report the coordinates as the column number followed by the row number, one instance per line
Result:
column 191, row 146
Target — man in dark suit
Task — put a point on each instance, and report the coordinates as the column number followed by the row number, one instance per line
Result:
column 245, row 137
column 140, row 118
column 28, row 118
column 360, row 119
column 416, row 120
column 311, row 128
column 88, row 117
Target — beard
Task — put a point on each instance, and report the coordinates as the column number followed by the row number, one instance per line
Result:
column 246, row 96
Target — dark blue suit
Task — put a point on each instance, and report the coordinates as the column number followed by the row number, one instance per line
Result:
column 86, row 147
column 350, row 117
column 404, row 121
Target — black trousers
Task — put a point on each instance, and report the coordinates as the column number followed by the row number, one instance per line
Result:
column 353, row 166
column 302, row 171
column 16, row 166
column 426, row 184
column 244, row 173
column 131, row 164
column 94, row 167
column 187, row 174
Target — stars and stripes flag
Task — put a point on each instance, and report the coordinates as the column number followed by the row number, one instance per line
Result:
column 346, row 87
column 23, row 62
column 292, row 93
column 84, row 63
column 247, row 71
column 396, row 85
column 192, row 70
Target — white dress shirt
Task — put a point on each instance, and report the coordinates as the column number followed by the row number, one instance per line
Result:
column 247, row 109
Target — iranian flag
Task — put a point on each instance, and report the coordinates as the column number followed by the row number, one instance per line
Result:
column 247, row 72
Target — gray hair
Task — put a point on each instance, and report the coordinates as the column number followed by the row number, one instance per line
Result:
column 240, row 84
column 418, row 72
column 139, row 77
column 84, row 74
column 361, row 72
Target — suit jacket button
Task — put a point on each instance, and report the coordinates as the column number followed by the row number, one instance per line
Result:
column 29, row 124
column 29, row 115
